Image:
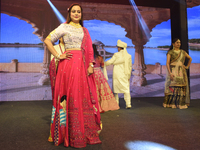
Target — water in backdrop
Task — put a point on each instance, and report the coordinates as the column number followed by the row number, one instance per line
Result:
column 36, row 55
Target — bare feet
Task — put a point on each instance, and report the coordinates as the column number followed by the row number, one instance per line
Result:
column 183, row 107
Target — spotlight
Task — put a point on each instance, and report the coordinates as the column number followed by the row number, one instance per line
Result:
column 58, row 14
column 143, row 25
column 146, row 145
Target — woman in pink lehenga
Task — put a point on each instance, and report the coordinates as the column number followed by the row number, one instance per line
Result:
column 75, row 119
column 105, row 96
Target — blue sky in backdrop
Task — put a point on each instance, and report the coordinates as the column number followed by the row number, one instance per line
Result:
column 14, row 30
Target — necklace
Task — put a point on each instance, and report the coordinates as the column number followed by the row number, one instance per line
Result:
column 176, row 51
column 77, row 25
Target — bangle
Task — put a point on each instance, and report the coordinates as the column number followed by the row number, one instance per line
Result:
column 57, row 56
column 92, row 65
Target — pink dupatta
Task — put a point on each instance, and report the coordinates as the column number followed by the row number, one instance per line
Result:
column 88, row 57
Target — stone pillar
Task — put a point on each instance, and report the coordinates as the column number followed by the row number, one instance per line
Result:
column 45, row 79
column 15, row 66
column 139, row 67
column 158, row 69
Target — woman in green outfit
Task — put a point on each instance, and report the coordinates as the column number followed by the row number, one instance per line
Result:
column 176, row 84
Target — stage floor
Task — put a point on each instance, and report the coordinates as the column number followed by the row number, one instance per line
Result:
column 24, row 125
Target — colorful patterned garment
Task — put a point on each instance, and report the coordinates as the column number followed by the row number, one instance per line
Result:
column 105, row 96
column 75, row 117
column 177, row 91
column 54, row 65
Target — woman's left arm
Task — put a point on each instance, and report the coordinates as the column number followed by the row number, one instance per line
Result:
column 90, row 53
column 101, row 61
column 189, row 62
column 90, row 69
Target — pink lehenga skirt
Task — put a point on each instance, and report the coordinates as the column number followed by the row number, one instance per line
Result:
column 105, row 96
column 73, row 120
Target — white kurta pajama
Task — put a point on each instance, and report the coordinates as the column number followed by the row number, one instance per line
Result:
column 121, row 75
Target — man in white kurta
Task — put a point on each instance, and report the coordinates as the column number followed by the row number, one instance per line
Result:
column 121, row 72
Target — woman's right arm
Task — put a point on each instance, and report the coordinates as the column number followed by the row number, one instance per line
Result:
column 50, row 47
column 101, row 61
column 168, row 63
column 168, row 66
column 53, row 37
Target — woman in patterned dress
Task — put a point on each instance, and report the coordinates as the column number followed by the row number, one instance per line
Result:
column 176, row 84
column 105, row 96
column 75, row 117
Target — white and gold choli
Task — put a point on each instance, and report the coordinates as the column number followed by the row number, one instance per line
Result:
column 72, row 35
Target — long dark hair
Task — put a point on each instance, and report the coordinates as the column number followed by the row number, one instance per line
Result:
column 173, row 41
column 96, row 53
column 69, row 14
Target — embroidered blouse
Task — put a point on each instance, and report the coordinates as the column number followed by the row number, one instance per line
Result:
column 72, row 36
column 174, row 54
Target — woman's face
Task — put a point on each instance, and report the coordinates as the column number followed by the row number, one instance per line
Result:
column 177, row 44
column 75, row 14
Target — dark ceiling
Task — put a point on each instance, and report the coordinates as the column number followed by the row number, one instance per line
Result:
column 149, row 3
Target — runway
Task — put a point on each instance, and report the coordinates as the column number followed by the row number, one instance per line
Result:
column 24, row 125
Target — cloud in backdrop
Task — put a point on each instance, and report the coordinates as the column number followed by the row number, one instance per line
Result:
column 14, row 30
